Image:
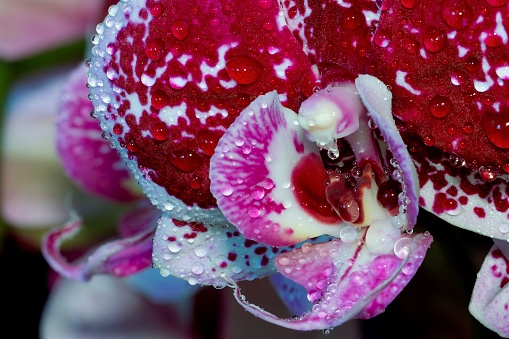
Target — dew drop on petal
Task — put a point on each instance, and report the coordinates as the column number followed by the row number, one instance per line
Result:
column 487, row 173
column 243, row 69
column 226, row 189
column 435, row 39
column 456, row 13
column 402, row 247
column 180, row 29
column 440, row 106
column 348, row 234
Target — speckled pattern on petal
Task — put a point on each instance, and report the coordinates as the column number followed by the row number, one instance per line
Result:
column 168, row 78
column 490, row 298
column 268, row 180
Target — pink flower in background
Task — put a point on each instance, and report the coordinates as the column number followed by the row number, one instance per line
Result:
column 33, row 26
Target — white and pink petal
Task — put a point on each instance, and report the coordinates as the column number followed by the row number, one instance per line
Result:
column 345, row 281
column 269, row 180
column 121, row 257
column 209, row 254
column 490, row 298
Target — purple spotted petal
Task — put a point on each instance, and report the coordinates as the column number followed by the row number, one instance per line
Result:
column 293, row 295
column 209, row 254
column 490, row 298
column 86, row 157
column 377, row 99
column 461, row 196
column 345, row 281
column 268, row 180
column 120, row 257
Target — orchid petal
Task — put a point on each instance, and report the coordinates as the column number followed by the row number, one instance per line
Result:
column 377, row 99
column 346, row 281
column 459, row 107
column 86, row 157
column 209, row 254
column 293, row 295
column 460, row 196
column 120, row 257
column 165, row 100
column 490, row 298
column 340, row 52
column 268, row 180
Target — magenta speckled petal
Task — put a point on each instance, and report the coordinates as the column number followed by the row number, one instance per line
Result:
column 345, row 281
column 86, row 157
column 168, row 78
column 120, row 257
column 268, row 180
column 377, row 99
column 209, row 254
column 490, row 298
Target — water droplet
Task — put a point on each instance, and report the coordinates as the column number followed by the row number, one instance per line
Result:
column 284, row 260
column 207, row 140
column 118, row 129
column 243, row 69
column 435, row 39
column 200, row 251
column 265, row 4
column 198, row 268
column 411, row 45
column 348, row 234
column 185, row 160
column 254, row 212
column 159, row 100
column 154, row 49
column 351, row 18
column 456, row 161
column 503, row 227
column 157, row 10
column 180, row 29
column 428, row 140
column 257, row 192
column 402, row 247
column 226, row 189
column 159, row 131
column 387, row 194
column 440, row 106
column 409, row 3
column 381, row 38
column 458, row 77
column 497, row 3
column 496, row 127
column 456, row 13
column 487, row 173
column 174, row 247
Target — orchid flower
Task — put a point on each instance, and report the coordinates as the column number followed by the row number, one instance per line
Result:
column 300, row 138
